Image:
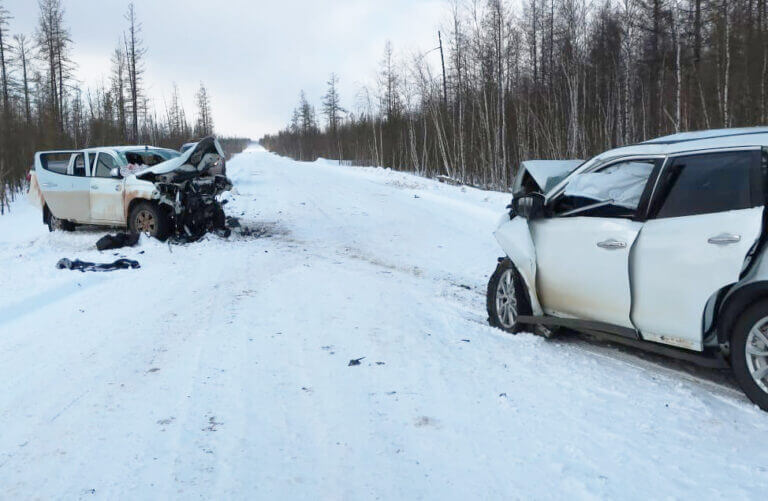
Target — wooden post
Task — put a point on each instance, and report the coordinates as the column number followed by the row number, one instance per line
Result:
column 442, row 60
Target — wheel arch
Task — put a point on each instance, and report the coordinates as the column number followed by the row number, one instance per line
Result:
column 528, row 305
column 46, row 213
column 137, row 200
column 734, row 304
column 131, row 205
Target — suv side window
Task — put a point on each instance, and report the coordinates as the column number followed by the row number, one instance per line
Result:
column 104, row 165
column 709, row 183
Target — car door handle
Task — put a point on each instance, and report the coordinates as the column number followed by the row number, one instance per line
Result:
column 725, row 239
column 49, row 185
column 612, row 244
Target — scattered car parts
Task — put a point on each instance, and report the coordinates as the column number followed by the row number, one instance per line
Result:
column 120, row 264
column 117, row 241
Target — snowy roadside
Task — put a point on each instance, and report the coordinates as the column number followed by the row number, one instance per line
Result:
column 220, row 369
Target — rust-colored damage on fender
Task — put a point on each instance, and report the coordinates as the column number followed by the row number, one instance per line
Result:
column 129, row 196
column 35, row 195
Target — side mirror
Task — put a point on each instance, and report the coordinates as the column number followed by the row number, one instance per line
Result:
column 529, row 206
column 115, row 173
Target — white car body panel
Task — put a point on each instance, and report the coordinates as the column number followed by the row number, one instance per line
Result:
column 65, row 194
column 577, row 278
column 675, row 271
column 107, row 195
column 107, row 200
column 514, row 237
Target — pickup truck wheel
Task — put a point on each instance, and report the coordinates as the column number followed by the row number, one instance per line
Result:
column 149, row 219
column 749, row 353
column 506, row 299
column 56, row 224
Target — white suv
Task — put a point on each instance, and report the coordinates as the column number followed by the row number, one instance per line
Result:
column 659, row 245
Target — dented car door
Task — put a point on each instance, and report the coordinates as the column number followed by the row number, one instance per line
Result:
column 705, row 215
column 106, row 192
column 583, row 248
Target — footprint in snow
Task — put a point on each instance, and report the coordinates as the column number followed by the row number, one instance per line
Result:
column 425, row 421
column 212, row 424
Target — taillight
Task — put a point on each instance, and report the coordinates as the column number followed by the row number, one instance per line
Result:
column 29, row 176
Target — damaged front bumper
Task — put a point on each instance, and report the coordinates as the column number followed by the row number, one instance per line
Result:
column 193, row 206
column 189, row 189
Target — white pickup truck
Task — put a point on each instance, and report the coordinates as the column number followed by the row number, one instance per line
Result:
column 152, row 190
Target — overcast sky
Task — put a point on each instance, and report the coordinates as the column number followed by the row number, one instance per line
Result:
column 255, row 56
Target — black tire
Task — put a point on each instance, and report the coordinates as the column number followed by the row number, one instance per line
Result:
column 56, row 224
column 739, row 362
column 148, row 218
column 506, row 268
column 219, row 218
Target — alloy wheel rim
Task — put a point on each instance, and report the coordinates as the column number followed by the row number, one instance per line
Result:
column 145, row 222
column 506, row 302
column 756, row 351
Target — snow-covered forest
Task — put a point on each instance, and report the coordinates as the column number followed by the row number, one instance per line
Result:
column 548, row 79
column 44, row 106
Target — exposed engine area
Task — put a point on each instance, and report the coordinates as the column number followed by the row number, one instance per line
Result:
column 194, row 207
column 190, row 192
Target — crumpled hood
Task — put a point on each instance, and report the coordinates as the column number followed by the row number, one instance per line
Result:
column 191, row 157
column 544, row 170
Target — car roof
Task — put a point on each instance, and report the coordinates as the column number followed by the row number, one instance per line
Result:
column 684, row 142
column 123, row 149
column 692, row 141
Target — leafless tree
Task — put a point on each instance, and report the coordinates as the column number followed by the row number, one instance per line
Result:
column 204, row 114
column 134, row 53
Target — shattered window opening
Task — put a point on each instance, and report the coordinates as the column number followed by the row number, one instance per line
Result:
column 613, row 191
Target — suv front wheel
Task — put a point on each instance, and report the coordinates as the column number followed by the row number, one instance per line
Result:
column 749, row 352
column 506, row 299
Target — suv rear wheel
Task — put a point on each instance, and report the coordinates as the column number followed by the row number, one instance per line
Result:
column 749, row 352
column 149, row 219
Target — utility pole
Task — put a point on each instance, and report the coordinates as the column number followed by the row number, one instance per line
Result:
column 442, row 60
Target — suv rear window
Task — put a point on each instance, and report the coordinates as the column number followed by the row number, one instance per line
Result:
column 710, row 183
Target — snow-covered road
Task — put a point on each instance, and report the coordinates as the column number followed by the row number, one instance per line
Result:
column 219, row 370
